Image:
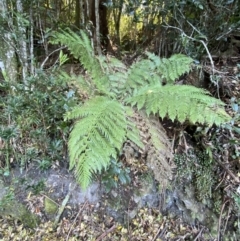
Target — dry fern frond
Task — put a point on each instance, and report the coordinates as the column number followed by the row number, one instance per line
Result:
column 157, row 147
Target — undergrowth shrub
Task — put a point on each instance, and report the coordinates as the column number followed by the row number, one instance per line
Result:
column 115, row 175
column 34, row 112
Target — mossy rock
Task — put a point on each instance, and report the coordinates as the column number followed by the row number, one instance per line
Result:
column 18, row 211
column 50, row 206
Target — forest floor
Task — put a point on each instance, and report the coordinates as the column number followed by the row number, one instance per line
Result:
column 86, row 216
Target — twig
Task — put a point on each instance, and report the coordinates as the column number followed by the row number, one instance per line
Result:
column 207, row 68
column 220, row 218
column 204, row 45
column 227, row 33
column 106, row 233
column 225, row 226
column 155, row 237
column 164, row 230
column 201, row 41
column 64, row 202
column 184, row 236
column 128, row 218
column 173, row 140
column 219, row 184
column 199, row 234
column 74, row 221
column 46, row 59
column 197, row 40
column 227, row 170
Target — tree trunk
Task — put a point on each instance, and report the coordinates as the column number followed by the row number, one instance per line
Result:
column 103, row 23
column 97, row 27
column 117, row 12
column 97, row 16
column 7, row 46
column 77, row 14
column 22, row 43
column 83, row 17
column 31, row 43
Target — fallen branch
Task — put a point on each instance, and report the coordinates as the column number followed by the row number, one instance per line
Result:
column 62, row 207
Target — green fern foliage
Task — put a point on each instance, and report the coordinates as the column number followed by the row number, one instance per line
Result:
column 154, row 70
column 181, row 102
column 140, row 74
column 116, row 71
column 80, row 47
column 98, row 135
column 172, row 68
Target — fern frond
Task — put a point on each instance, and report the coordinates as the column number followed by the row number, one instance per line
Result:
column 116, row 71
column 172, row 68
column 141, row 73
column 181, row 102
column 133, row 133
column 160, row 154
column 157, row 146
column 97, row 135
column 80, row 47
column 153, row 71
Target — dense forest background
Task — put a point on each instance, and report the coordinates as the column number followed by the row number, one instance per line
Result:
column 76, row 77
column 196, row 28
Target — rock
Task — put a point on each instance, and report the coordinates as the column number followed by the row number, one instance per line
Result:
column 123, row 203
column 50, row 207
column 60, row 186
column 18, row 211
column 182, row 201
column 147, row 195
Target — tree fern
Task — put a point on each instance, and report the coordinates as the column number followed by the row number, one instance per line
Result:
column 180, row 102
column 105, row 121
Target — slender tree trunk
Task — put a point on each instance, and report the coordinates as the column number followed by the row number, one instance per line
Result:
column 117, row 12
column 98, row 42
column 82, row 15
column 77, row 13
column 32, row 64
column 104, row 24
column 22, row 50
column 80, row 18
column 7, row 45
